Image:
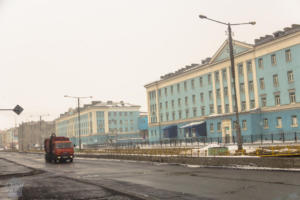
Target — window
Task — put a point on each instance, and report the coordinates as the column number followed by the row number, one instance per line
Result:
column 219, row 109
column 251, row 88
column 227, row 108
column 193, row 83
column 262, row 83
column 244, row 125
column 266, row 123
column 242, row 88
column 292, row 97
column 161, row 117
column 277, row 99
column 252, row 104
column 167, row 116
column 294, row 121
column 260, row 63
column 243, row 105
column 263, row 101
column 273, row 59
column 172, row 103
column 160, row 106
column 234, row 125
column 201, row 81
column 120, row 113
column 173, row 115
column 187, row 113
column 211, row 108
column 241, row 69
column 115, row 114
column 159, row 92
column 166, row 91
column 219, row 126
column 209, row 79
column 202, row 110
column 185, row 85
column 179, row 114
column 210, row 95
column 217, row 76
column 166, row 103
column 194, row 99
column 218, row 93
column 275, row 80
column 211, row 127
column 178, row 87
column 225, row 91
column 179, row 102
column 121, row 122
column 288, row 56
column 201, row 97
column 125, row 113
column 224, row 74
column 290, row 76
column 278, row 122
column 195, row 112
column 186, row 101
column 172, row 89
column 249, row 67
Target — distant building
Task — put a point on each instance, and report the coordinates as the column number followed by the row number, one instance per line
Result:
column 102, row 123
column 198, row 100
column 31, row 135
column 9, row 138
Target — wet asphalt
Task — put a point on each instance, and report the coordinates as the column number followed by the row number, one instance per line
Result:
column 167, row 181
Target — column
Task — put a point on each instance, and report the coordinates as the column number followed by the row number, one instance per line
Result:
column 228, row 72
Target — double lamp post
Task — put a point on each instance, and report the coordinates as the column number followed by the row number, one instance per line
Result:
column 238, row 128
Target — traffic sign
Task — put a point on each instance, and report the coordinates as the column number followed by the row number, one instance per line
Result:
column 18, row 109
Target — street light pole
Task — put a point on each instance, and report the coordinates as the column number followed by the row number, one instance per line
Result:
column 78, row 111
column 238, row 128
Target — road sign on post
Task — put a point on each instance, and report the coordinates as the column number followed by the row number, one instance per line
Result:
column 18, row 109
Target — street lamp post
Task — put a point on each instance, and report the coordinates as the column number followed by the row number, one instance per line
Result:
column 78, row 111
column 238, row 128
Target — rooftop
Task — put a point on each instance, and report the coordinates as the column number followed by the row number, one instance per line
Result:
column 262, row 40
column 102, row 104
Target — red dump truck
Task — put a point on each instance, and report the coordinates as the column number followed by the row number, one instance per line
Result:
column 58, row 149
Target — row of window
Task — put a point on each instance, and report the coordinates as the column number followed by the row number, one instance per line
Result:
column 120, row 113
column 294, row 122
column 288, row 58
column 115, row 122
column 292, row 98
column 290, row 77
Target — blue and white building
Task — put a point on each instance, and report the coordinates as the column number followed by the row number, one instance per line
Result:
column 198, row 100
column 103, row 123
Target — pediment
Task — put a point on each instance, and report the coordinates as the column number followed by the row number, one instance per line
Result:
column 223, row 51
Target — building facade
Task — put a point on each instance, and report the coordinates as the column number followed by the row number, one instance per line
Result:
column 102, row 123
column 198, row 100
column 31, row 135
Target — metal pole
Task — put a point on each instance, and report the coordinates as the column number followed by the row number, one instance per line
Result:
column 79, row 133
column 238, row 128
column 41, row 132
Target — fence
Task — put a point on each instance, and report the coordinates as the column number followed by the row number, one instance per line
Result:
column 277, row 138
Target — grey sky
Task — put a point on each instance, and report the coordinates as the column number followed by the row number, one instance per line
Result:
column 111, row 49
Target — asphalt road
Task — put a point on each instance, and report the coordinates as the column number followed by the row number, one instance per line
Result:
column 165, row 181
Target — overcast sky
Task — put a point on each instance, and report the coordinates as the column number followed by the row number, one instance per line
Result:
column 110, row 49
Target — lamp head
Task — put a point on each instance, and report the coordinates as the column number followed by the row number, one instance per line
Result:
column 252, row 23
column 202, row 16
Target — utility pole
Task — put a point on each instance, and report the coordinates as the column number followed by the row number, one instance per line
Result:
column 78, row 111
column 238, row 128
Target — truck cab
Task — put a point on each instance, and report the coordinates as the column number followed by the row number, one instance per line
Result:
column 58, row 149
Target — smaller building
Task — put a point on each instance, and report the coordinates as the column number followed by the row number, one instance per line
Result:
column 103, row 123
